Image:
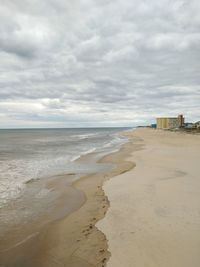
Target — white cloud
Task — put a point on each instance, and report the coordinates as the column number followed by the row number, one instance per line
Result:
column 174, row 41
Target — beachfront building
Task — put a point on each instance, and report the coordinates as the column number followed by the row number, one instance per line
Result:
column 170, row 122
column 197, row 125
column 188, row 125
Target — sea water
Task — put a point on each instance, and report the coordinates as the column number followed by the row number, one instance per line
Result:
column 31, row 154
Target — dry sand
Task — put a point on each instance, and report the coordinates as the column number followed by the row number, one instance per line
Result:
column 154, row 214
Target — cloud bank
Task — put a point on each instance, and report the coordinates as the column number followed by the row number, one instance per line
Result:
column 98, row 63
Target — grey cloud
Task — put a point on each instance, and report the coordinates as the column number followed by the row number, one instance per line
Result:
column 77, row 61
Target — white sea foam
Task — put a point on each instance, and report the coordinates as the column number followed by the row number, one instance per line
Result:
column 84, row 136
column 83, row 153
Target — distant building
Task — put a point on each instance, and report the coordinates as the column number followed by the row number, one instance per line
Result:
column 188, row 125
column 197, row 125
column 170, row 122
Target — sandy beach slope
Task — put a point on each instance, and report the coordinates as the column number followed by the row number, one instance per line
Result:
column 154, row 214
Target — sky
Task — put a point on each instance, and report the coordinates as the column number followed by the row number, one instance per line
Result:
column 98, row 63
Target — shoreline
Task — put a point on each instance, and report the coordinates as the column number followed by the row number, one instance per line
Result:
column 153, row 219
column 76, row 233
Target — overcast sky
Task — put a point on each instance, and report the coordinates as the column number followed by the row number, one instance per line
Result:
column 79, row 63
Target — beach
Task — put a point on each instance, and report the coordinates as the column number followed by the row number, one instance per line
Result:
column 72, row 239
column 100, row 133
column 145, row 211
column 154, row 214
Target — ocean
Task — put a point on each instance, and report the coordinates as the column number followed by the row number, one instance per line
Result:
column 29, row 157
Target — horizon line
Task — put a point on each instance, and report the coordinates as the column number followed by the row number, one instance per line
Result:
column 54, row 128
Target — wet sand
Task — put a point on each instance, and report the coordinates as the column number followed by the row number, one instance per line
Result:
column 154, row 214
column 20, row 237
column 74, row 240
